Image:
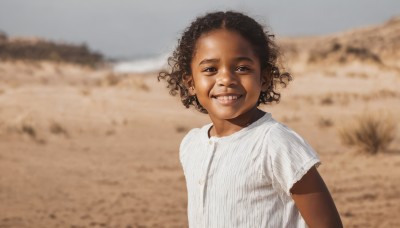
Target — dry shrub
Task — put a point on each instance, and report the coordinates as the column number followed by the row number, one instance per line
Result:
column 357, row 75
column 110, row 132
column 181, row 129
column 140, row 84
column 57, row 129
column 28, row 129
column 112, row 79
column 324, row 122
column 37, row 50
column 24, row 124
column 327, row 100
column 385, row 93
column 371, row 133
column 337, row 98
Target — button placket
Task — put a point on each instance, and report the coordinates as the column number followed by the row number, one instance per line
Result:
column 203, row 180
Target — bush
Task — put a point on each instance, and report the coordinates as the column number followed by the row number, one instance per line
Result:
column 372, row 133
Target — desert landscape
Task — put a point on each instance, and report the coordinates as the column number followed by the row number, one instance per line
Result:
column 82, row 146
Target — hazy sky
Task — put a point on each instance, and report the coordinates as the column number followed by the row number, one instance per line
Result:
column 134, row 28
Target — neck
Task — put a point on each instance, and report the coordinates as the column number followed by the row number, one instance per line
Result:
column 223, row 128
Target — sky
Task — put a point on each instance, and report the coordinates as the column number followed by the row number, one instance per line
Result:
column 144, row 28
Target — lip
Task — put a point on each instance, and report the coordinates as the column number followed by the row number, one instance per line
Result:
column 227, row 98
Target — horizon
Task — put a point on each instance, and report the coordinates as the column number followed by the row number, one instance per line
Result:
column 126, row 30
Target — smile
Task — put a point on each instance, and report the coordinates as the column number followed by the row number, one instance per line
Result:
column 227, row 99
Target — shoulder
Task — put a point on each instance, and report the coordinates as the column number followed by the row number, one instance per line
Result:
column 194, row 136
column 289, row 157
column 283, row 141
column 190, row 136
column 280, row 134
column 284, row 145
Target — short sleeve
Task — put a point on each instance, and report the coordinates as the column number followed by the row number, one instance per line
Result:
column 183, row 148
column 288, row 157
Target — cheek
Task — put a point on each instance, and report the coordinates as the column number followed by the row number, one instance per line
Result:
column 203, row 85
column 253, row 83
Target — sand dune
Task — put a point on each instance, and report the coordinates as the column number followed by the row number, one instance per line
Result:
column 87, row 148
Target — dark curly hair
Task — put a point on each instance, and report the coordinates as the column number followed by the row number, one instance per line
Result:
column 263, row 43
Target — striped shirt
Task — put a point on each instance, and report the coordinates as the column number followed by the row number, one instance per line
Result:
column 244, row 179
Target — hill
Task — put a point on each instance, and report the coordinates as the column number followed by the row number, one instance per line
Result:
column 378, row 45
column 36, row 49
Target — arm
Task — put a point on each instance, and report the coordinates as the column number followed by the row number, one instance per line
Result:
column 314, row 201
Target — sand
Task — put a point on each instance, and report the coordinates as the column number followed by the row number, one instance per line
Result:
column 86, row 148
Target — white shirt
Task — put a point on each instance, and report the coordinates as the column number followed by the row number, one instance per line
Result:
column 244, row 179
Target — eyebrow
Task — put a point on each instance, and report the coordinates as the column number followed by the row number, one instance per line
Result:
column 238, row 59
column 204, row 61
column 243, row 58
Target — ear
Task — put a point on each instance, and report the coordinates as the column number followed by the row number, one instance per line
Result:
column 189, row 83
column 265, row 80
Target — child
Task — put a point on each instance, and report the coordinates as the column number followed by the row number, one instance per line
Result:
column 244, row 169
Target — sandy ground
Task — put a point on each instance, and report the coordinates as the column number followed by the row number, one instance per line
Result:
column 84, row 148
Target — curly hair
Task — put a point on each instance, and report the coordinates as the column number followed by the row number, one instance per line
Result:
column 262, row 42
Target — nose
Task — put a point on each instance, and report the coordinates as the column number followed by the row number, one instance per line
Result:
column 226, row 78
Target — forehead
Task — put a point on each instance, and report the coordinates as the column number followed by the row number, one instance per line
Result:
column 223, row 42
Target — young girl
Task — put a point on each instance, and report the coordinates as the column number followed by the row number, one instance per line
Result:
column 244, row 169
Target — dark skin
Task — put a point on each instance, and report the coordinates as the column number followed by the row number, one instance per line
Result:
column 227, row 82
column 314, row 201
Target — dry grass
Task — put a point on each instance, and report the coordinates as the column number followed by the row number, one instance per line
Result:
column 370, row 132
column 112, row 79
column 110, row 132
column 181, row 129
column 357, row 75
column 325, row 122
column 57, row 129
column 28, row 129
column 327, row 100
column 23, row 124
column 140, row 84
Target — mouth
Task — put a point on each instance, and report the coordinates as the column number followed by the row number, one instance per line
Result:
column 227, row 99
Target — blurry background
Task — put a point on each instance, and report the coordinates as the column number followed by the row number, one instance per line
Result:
column 89, row 138
column 131, row 30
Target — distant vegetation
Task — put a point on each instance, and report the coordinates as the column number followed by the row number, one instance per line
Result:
column 342, row 54
column 376, row 45
column 38, row 49
column 371, row 133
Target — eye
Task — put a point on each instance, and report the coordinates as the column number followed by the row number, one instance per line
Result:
column 243, row 69
column 209, row 69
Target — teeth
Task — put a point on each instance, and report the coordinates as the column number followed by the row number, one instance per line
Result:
column 227, row 98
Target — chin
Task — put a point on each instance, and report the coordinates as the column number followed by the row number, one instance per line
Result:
column 226, row 115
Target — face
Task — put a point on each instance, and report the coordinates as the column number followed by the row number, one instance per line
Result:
column 226, row 75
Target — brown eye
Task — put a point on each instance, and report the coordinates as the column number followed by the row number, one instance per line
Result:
column 243, row 69
column 209, row 69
